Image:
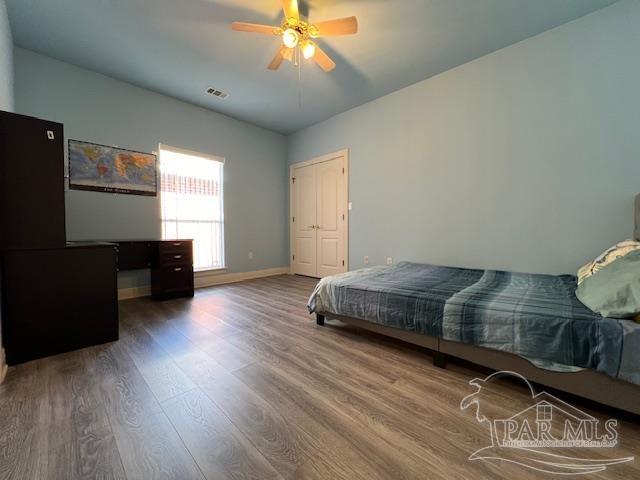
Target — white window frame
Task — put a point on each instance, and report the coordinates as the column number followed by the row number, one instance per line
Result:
column 215, row 158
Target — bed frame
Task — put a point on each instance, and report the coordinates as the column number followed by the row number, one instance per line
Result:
column 588, row 384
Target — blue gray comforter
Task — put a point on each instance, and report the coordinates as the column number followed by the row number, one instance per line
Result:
column 535, row 316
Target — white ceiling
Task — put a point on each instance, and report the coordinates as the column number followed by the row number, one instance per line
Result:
column 179, row 48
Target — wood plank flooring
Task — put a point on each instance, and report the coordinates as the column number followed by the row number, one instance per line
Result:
column 240, row 383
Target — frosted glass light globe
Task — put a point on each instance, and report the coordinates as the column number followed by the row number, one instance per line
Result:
column 290, row 38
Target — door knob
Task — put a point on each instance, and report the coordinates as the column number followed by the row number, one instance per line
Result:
column 311, row 226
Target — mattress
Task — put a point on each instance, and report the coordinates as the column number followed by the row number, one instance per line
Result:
column 537, row 317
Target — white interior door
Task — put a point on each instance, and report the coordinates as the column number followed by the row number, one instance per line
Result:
column 319, row 227
column 330, row 208
column 304, row 221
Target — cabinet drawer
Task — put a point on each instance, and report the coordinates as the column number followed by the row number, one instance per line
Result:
column 177, row 277
column 169, row 282
column 176, row 258
column 178, row 246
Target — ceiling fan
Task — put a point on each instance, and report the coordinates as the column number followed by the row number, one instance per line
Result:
column 298, row 36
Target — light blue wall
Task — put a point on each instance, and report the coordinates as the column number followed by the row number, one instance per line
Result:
column 100, row 109
column 526, row 159
column 6, row 60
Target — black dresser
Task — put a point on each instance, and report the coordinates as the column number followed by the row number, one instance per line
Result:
column 54, row 297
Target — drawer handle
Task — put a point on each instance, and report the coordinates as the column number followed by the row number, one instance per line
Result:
column 177, row 256
column 177, row 244
column 177, row 269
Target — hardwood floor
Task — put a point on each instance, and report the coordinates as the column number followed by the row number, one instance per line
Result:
column 240, row 383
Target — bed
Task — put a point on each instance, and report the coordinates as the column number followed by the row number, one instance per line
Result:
column 502, row 320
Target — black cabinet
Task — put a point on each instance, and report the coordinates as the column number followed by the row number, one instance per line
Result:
column 172, row 269
column 31, row 183
column 134, row 255
column 56, row 300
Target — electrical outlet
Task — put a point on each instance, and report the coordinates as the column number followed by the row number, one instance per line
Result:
column 366, row 259
column 389, row 261
column 250, row 255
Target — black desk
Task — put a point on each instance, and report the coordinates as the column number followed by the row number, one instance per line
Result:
column 170, row 261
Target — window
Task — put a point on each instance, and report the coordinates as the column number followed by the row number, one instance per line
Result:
column 191, row 203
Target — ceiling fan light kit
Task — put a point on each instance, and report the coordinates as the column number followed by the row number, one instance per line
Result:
column 297, row 36
column 290, row 38
column 308, row 49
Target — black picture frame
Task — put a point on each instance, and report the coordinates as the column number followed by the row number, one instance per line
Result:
column 74, row 185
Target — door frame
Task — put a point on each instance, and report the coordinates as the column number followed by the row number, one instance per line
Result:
column 345, row 190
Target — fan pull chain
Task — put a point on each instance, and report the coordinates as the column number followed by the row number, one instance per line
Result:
column 299, row 80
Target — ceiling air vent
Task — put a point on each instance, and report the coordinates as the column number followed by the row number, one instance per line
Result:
column 217, row 93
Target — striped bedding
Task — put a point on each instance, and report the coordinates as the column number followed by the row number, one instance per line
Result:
column 535, row 316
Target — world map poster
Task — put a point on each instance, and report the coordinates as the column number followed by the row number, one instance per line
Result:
column 108, row 169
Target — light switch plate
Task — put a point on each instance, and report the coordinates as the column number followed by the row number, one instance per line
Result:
column 350, row 206
column 50, row 135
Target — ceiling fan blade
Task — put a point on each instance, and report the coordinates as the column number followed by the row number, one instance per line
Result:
column 323, row 60
column 278, row 59
column 254, row 27
column 290, row 8
column 340, row 26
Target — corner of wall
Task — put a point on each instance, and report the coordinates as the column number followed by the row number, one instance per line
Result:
column 6, row 103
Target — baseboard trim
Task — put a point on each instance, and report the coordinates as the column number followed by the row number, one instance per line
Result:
column 210, row 279
column 3, row 365
column 207, row 279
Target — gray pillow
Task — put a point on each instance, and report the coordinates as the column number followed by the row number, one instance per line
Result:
column 614, row 290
